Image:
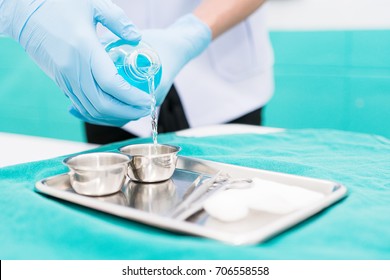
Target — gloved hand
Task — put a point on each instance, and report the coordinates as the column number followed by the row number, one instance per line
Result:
column 176, row 46
column 60, row 35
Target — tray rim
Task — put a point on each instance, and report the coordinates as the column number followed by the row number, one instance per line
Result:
column 249, row 238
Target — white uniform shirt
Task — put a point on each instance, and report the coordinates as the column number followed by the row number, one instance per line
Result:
column 231, row 78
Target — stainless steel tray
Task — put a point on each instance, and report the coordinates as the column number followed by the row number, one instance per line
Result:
column 153, row 204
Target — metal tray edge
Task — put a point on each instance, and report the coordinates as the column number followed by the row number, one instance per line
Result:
column 252, row 237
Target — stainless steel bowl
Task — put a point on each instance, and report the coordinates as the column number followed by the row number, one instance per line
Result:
column 97, row 174
column 151, row 163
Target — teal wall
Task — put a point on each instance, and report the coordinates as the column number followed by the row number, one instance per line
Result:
column 30, row 102
column 329, row 79
column 338, row 79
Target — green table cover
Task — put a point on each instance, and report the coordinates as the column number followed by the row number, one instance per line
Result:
column 36, row 226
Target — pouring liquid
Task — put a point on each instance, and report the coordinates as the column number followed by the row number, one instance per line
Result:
column 141, row 67
column 153, row 110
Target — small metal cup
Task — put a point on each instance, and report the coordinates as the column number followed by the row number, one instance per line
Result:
column 97, row 174
column 151, row 163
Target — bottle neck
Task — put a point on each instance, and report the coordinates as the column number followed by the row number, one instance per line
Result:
column 142, row 64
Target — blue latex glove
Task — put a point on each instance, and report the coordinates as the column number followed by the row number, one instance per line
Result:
column 176, row 46
column 60, row 35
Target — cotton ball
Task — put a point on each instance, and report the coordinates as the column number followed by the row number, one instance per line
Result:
column 227, row 206
column 260, row 198
column 300, row 197
column 279, row 198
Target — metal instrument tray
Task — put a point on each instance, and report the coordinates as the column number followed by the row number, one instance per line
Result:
column 152, row 204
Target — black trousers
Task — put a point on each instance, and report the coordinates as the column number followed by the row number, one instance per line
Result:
column 171, row 118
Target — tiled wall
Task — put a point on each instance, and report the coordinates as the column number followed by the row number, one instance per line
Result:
column 332, row 79
column 324, row 79
column 30, row 103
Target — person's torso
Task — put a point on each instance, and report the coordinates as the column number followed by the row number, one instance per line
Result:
column 156, row 13
column 235, row 70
